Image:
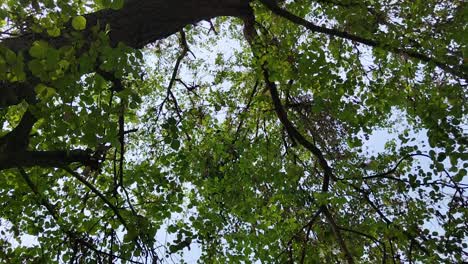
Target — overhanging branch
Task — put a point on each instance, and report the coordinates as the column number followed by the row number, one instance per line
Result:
column 141, row 22
column 137, row 24
column 292, row 131
column 251, row 36
column 51, row 159
column 273, row 7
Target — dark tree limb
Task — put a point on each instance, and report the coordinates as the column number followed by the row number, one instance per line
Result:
column 14, row 93
column 141, row 22
column 294, row 133
column 170, row 95
column 18, row 139
column 52, row 159
column 138, row 23
column 393, row 170
column 453, row 69
column 251, row 35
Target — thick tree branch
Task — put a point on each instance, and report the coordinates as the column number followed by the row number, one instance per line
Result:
column 292, row 130
column 55, row 159
column 137, row 24
column 18, row 139
column 251, row 36
column 454, row 69
column 142, row 22
column 14, row 93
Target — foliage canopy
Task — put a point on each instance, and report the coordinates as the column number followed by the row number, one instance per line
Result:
column 241, row 128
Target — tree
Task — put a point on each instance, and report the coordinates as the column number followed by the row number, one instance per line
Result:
column 117, row 122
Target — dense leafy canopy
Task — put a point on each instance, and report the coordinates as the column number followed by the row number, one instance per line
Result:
column 239, row 128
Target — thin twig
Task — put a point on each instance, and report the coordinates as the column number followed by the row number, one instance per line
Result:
column 339, row 237
column 183, row 53
column 71, row 234
column 98, row 193
column 391, row 171
column 380, row 243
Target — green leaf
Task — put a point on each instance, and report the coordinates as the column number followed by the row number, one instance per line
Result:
column 36, row 67
column 10, row 57
column 39, row 49
column 79, row 23
column 54, row 32
column 44, row 92
column 460, row 175
column 245, row 184
column 117, row 4
column 175, row 144
column 105, row 3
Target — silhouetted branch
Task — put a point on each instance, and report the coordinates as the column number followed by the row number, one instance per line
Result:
column 454, row 69
column 52, row 159
column 339, row 238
